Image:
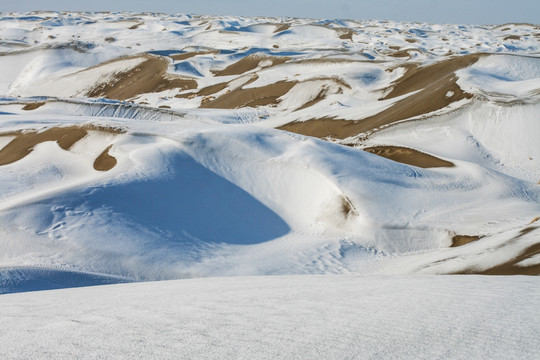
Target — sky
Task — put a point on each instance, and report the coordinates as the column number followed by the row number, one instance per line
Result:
column 435, row 11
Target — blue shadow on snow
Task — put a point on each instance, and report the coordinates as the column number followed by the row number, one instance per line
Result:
column 195, row 200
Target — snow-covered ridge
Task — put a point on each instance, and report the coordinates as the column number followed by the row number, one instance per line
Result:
column 233, row 146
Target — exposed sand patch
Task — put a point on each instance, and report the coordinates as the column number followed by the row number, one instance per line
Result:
column 105, row 162
column 149, row 76
column 281, row 27
column 346, row 35
column 347, row 208
column 250, row 62
column 24, row 142
column 400, row 54
column 33, row 106
column 512, row 37
column 459, row 240
column 511, row 267
column 419, row 77
column 409, row 156
column 251, row 97
column 136, row 26
column 206, row 91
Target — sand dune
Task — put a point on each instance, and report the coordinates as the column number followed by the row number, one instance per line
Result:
column 409, row 156
column 150, row 76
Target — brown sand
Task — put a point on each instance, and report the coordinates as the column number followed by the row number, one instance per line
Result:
column 281, row 27
column 248, row 63
column 251, row 97
column 510, row 267
column 33, row 106
column 105, row 162
column 136, row 26
column 24, row 142
column 206, row 91
column 409, row 156
column 512, row 37
column 149, row 76
column 459, row 240
column 347, row 35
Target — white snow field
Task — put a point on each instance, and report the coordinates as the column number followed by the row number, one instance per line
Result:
column 352, row 160
column 279, row 317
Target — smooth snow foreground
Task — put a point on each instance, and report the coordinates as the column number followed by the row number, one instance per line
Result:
column 285, row 317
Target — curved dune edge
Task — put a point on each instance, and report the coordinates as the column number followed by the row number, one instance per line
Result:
column 409, row 156
column 105, row 162
column 148, row 77
column 65, row 137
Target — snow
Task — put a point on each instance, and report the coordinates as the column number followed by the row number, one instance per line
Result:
column 289, row 317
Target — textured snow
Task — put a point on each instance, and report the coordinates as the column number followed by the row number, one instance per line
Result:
column 284, row 317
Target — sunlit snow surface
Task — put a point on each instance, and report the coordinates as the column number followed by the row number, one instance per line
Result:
column 205, row 185
column 279, row 317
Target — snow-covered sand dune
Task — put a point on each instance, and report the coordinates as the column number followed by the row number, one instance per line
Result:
column 151, row 147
